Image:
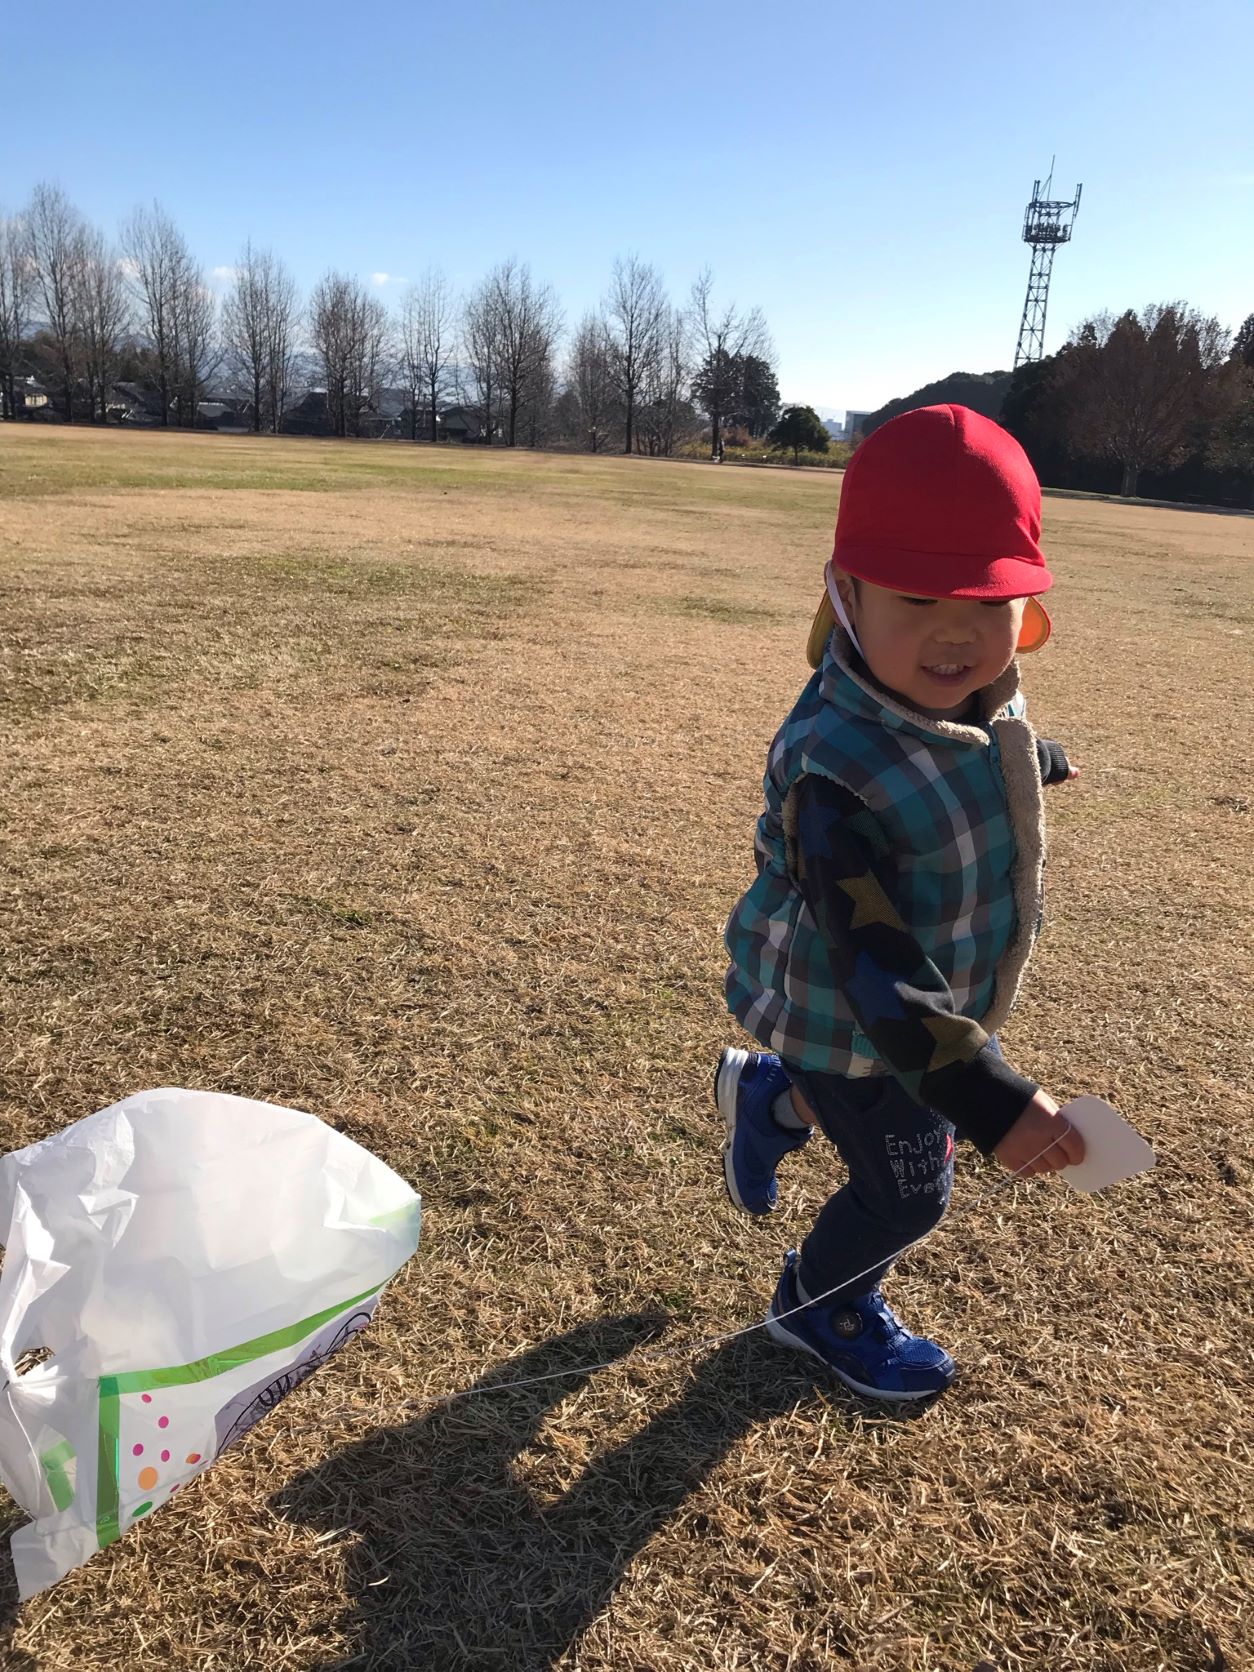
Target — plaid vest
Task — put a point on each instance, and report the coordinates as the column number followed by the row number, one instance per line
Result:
column 961, row 809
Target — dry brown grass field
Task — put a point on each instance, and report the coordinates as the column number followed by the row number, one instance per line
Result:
column 413, row 789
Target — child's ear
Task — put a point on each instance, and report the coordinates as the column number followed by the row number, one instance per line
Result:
column 848, row 591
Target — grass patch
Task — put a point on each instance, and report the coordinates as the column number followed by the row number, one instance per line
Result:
column 725, row 610
column 37, row 467
column 419, row 799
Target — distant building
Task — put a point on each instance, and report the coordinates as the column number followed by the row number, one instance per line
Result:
column 461, row 423
column 307, row 413
column 30, row 395
column 134, row 403
column 388, row 418
column 852, row 430
column 230, row 413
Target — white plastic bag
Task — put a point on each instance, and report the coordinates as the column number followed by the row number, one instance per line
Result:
column 186, row 1258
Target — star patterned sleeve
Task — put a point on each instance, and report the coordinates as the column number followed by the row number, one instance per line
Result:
column 847, row 874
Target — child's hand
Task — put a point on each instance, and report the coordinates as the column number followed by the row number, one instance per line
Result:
column 1040, row 1127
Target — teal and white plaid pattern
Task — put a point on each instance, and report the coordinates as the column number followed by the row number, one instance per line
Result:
column 938, row 798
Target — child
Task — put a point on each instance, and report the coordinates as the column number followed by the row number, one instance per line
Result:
column 899, row 885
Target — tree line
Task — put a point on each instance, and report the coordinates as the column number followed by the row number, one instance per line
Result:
column 1158, row 402
column 81, row 314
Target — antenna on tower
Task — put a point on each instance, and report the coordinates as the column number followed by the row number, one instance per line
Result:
column 1047, row 223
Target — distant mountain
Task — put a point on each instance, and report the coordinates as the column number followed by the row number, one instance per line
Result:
column 981, row 391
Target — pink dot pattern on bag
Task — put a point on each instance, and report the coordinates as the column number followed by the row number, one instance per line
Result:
column 148, row 1477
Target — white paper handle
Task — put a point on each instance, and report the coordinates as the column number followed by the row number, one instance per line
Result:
column 1113, row 1150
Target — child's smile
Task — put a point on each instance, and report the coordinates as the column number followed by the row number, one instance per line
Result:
column 949, row 673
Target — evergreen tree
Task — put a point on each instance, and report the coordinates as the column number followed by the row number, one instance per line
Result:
column 1243, row 343
column 798, row 427
column 757, row 406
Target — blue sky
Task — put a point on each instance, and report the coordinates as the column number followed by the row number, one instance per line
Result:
column 859, row 171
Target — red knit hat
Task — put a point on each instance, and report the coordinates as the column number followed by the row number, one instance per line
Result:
column 943, row 503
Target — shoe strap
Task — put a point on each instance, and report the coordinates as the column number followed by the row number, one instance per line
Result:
column 888, row 1326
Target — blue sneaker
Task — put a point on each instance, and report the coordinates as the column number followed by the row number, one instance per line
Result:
column 862, row 1341
column 746, row 1083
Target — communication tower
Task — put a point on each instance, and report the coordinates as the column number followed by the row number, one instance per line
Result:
column 1047, row 223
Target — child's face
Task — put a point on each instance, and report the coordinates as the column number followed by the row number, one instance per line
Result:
column 934, row 652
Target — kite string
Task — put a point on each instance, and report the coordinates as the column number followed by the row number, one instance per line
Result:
column 656, row 1355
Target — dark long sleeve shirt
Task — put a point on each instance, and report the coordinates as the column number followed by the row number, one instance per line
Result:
column 901, row 1000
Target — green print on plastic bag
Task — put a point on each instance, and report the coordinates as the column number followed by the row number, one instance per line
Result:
column 108, row 1528
column 54, row 1464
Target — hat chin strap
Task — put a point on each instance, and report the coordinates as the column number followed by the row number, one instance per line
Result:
column 837, row 603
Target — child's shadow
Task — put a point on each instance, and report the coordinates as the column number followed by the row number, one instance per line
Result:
column 459, row 1566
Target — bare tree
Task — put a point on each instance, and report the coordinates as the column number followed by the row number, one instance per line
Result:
column 259, row 329
column 1141, row 389
column 590, row 381
column 481, row 350
column 723, row 337
column 372, row 354
column 17, row 285
column 350, row 331
column 330, row 308
column 535, row 413
column 104, row 314
column 156, row 257
column 282, row 325
column 666, row 412
column 55, row 230
column 636, row 308
column 528, row 322
column 243, row 329
column 328, row 330
column 178, row 310
column 409, row 355
column 427, row 339
column 198, row 350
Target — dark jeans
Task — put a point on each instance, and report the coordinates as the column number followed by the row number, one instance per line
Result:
column 900, row 1158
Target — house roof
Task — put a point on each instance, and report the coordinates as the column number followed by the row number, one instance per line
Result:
column 308, row 401
column 150, row 399
column 392, row 403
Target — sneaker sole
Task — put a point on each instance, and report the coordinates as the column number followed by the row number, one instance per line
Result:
column 731, row 1065
column 785, row 1338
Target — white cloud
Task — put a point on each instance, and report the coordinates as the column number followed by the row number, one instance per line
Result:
column 129, row 266
column 227, row 273
column 386, row 278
